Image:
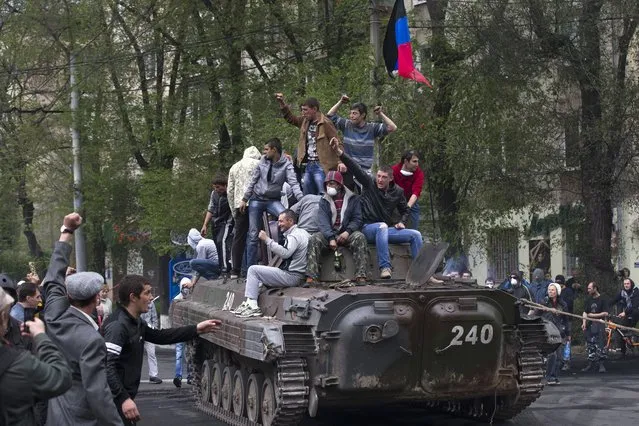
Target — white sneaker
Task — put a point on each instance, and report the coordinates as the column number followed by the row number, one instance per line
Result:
column 385, row 273
column 250, row 312
column 241, row 308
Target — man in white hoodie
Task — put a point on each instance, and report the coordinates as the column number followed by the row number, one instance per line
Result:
column 206, row 263
column 239, row 177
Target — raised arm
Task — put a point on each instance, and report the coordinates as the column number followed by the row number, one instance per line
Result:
column 361, row 176
column 390, row 125
column 343, row 100
column 55, row 292
column 286, row 111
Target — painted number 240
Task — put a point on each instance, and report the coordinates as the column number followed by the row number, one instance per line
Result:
column 484, row 336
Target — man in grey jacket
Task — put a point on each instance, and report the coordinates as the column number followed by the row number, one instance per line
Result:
column 68, row 310
column 289, row 274
column 264, row 191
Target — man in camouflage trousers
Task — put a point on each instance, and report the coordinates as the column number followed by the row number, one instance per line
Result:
column 340, row 219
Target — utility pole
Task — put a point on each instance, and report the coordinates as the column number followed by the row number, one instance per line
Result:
column 80, row 248
column 375, row 77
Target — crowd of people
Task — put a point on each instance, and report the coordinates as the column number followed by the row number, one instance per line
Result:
column 560, row 295
column 336, row 203
column 85, row 369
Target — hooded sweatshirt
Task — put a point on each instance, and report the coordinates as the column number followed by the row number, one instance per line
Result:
column 204, row 248
column 268, row 179
column 240, row 175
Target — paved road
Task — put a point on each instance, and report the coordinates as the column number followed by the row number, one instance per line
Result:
column 582, row 399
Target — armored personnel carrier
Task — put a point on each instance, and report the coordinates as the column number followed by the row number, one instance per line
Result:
column 449, row 346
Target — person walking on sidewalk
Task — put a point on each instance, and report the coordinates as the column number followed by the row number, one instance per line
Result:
column 151, row 318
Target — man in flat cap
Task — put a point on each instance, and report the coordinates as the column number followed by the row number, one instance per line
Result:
column 68, row 310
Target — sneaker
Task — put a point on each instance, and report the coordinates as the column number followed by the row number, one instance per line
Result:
column 552, row 382
column 250, row 312
column 385, row 273
column 177, row 381
column 234, row 276
column 240, row 308
column 155, row 380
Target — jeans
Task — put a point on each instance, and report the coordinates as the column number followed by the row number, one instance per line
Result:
column 179, row 359
column 381, row 234
column 255, row 210
column 314, row 176
column 554, row 363
column 413, row 217
column 205, row 268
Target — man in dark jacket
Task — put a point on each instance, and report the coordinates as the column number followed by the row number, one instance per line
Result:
column 264, row 191
column 220, row 212
column 25, row 378
column 125, row 334
column 340, row 219
column 628, row 299
column 380, row 198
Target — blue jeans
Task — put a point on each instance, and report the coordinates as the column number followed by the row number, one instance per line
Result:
column 313, row 182
column 179, row 359
column 255, row 210
column 413, row 217
column 205, row 268
column 381, row 234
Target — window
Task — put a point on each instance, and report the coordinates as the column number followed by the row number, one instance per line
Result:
column 503, row 252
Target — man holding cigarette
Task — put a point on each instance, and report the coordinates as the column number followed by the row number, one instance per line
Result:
column 125, row 334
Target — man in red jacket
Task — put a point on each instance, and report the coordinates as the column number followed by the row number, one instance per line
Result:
column 410, row 178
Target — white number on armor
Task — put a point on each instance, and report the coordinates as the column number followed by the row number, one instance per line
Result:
column 485, row 335
column 457, row 339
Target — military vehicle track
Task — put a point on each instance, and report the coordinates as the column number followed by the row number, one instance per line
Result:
column 280, row 399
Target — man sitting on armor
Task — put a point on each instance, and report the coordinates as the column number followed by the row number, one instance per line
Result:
column 290, row 272
column 340, row 219
column 380, row 198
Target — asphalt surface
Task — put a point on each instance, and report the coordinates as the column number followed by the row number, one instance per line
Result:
column 581, row 399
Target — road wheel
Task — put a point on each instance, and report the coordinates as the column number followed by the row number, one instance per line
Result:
column 254, row 396
column 227, row 387
column 269, row 403
column 238, row 394
column 216, row 384
column 205, row 382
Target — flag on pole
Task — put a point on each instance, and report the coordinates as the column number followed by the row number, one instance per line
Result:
column 398, row 53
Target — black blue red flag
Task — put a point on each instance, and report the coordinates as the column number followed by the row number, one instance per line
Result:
column 398, row 53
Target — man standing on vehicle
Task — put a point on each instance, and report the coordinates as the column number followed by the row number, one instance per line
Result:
column 380, row 198
column 219, row 211
column 264, row 192
column 359, row 135
column 239, row 177
column 313, row 149
column 410, row 178
column 125, row 334
column 595, row 307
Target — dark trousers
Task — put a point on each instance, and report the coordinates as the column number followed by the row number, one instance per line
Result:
column 240, row 232
column 223, row 240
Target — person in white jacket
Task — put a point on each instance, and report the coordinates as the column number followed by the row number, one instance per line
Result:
column 239, row 176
